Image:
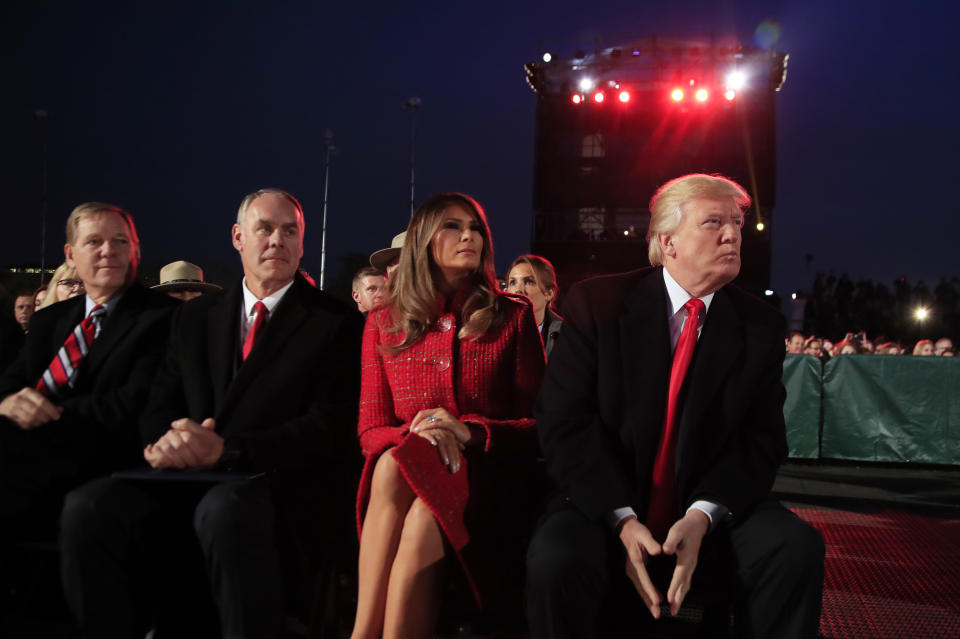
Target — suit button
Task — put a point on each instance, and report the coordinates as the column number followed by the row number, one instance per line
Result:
column 444, row 324
column 443, row 363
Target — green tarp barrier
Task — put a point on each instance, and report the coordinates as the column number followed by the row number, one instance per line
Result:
column 891, row 408
column 801, row 411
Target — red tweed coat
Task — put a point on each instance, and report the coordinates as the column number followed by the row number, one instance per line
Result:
column 491, row 382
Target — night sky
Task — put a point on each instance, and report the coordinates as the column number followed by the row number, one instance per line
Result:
column 175, row 110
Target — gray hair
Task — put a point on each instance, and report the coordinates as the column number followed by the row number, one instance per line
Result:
column 250, row 197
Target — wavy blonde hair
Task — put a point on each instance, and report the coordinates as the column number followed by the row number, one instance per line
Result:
column 413, row 289
column 63, row 272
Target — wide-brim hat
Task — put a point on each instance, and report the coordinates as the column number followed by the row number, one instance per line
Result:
column 184, row 276
column 380, row 259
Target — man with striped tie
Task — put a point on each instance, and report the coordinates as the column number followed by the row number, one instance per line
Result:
column 249, row 421
column 71, row 400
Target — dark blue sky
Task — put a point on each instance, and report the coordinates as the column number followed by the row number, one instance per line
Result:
column 176, row 110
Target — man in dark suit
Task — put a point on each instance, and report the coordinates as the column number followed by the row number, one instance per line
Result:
column 261, row 380
column 661, row 420
column 57, row 433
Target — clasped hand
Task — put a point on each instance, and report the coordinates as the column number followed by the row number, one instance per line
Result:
column 444, row 431
column 186, row 445
column 28, row 409
column 683, row 540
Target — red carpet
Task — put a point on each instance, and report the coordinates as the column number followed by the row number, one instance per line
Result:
column 889, row 574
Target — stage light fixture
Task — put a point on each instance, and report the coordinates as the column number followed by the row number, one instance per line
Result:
column 768, row 293
column 730, row 94
column 598, row 97
column 701, row 95
column 736, row 80
column 676, row 95
column 576, row 98
column 547, row 57
column 760, row 226
column 586, row 84
column 793, row 296
column 922, row 313
column 624, row 96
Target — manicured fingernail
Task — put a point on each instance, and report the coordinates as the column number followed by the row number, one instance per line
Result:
column 456, row 467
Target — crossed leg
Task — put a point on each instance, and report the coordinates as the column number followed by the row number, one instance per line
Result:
column 401, row 560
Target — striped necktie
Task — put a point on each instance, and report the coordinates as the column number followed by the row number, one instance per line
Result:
column 62, row 371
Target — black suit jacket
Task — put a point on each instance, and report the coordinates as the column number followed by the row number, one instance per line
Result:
column 601, row 408
column 100, row 412
column 291, row 407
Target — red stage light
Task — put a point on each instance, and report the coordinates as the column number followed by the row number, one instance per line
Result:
column 624, row 96
column 676, row 95
column 598, row 97
column 701, row 95
column 730, row 94
column 576, row 98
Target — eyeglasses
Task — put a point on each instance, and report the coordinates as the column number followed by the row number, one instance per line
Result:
column 75, row 285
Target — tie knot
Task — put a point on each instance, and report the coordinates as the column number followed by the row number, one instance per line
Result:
column 694, row 307
column 97, row 311
column 259, row 308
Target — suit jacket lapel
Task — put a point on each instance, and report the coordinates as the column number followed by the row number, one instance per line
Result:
column 223, row 333
column 118, row 324
column 645, row 338
column 283, row 323
column 720, row 341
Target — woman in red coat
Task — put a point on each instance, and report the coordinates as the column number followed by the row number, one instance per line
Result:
column 451, row 367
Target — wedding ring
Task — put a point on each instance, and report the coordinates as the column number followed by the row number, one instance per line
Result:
column 431, row 418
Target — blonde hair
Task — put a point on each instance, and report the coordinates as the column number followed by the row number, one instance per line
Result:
column 63, row 272
column 92, row 208
column 412, row 287
column 543, row 273
column 665, row 205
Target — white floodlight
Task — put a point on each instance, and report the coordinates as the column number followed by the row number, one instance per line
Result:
column 736, row 80
column 547, row 57
column 586, row 84
column 768, row 292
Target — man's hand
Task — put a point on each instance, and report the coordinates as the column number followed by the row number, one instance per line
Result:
column 27, row 408
column 640, row 543
column 684, row 540
column 186, row 445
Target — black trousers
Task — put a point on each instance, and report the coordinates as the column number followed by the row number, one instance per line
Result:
column 131, row 559
column 771, row 565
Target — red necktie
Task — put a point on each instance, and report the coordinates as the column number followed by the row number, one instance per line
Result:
column 63, row 370
column 662, row 512
column 261, row 310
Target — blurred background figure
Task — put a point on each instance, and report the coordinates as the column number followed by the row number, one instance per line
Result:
column 813, row 346
column 847, row 348
column 924, row 347
column 943, row 345
column 888, row 348
column 795, row 342
column 63, row 285
column 386, row 260
column 184, row 281
column 534, row 276
column 369, row 288
column 23, row 308
column 38, row 296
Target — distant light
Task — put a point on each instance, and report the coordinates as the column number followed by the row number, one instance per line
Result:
column 576, row 98
column 586, row 84
column 701, row 95
column 922, row 313
column 760, row 226
column 793, row 296
column 736, row 80
column 768, row 292
column 624, row 96
column 626, row 233
column 547, row 57
column 692, row 81
column 730, row 94
column 598, row 97
column 676, row 95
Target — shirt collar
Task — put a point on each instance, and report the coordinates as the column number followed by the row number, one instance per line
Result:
column 270, row 301
column 677, row 296
column 110, row 304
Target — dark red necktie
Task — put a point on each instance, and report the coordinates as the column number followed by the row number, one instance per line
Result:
column 258, row 323
column 63, row 370
column 662, row 512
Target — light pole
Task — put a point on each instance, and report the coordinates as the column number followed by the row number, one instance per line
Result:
column 41, row 115
column 412, row 104
column 331, row 149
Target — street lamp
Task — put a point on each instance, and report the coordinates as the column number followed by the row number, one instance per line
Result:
column 331, row 149
column 412, row 104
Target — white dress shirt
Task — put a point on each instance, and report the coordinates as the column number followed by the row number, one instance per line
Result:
column 247, row 314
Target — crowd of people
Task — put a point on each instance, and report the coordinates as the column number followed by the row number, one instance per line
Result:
column 200, row 453
column 860, row 344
